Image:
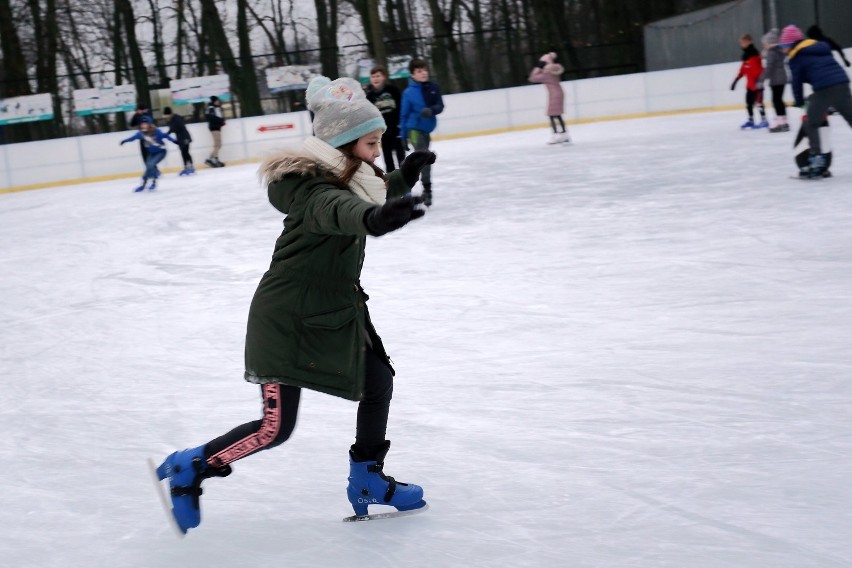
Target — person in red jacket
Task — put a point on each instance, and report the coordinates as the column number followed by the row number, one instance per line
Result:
column 751, row 69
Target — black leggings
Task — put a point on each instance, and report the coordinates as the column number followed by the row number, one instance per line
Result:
column 778, row 100
column 752, row 98
column 281, row 406
column 553, row 120
column 184, row 152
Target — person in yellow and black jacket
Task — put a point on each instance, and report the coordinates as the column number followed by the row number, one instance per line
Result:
column 812, row 62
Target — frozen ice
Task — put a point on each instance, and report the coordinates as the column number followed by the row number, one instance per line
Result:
column 631, row 351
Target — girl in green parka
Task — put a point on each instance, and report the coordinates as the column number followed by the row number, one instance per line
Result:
column 308, row 325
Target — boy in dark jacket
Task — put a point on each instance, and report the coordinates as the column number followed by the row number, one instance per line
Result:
column 177, row 127
column 751, row 69
column 812, row 62
column 215, row 122
column 387, row 99
column 421, row 103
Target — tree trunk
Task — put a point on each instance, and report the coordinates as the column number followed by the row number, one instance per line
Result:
column 157, row 45
column 249, row 93
column 376, row 35
column 138, row 70
column 243, row 81
column 327, row 31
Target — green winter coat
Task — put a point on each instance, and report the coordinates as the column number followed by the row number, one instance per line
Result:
column 308, row 324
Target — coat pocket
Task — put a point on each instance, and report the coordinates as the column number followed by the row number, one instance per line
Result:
column 329, row 342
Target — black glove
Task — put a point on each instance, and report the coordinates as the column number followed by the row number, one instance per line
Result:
column 393, row 214
column 414, row 163
column 403, row 142
column 426, row 112
column 734, row 84
column 541, row 64
column 122, row 142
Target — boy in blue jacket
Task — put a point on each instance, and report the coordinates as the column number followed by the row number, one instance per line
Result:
column 421, row 103
column 812, row 62
column 154, row 140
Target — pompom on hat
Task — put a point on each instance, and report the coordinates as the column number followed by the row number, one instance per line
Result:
column 341, row 110
column 790, row 35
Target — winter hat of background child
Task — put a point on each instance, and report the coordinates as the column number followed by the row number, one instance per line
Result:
column 770, row 38
column 790, row 35
column 341, row 110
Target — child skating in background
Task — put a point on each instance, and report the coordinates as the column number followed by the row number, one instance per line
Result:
column 812, row 62
column 751, row 68
column 776, row 73
column 177, row 126
column 421, row 104
column 548, row 72
column 154, row 140
column 387, row 98
column 308, row 324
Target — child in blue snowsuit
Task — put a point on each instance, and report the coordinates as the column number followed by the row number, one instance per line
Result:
column 154, row 140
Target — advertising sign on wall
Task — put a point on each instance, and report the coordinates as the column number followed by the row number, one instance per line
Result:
column 26, row 109
column 200, row 89
column 102, row 100
column 397, row 67
column 291, row 77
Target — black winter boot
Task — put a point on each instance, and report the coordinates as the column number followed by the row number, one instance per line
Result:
column 427, row 194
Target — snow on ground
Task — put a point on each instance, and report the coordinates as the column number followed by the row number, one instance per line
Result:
column 632, row 351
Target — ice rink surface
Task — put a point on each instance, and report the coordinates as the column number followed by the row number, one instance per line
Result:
column 632, row 351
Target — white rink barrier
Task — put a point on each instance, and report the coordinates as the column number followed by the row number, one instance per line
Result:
column 99, row 156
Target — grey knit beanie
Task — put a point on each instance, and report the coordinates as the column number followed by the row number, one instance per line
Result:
column 341, row 110
column 771, row 37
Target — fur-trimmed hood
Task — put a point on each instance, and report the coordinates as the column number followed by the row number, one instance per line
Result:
column 282, row 164
column 317, row 160
column 285, row 163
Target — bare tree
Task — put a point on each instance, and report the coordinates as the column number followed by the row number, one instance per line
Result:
column 126, row 23
column 327, row 31
column 242, row 75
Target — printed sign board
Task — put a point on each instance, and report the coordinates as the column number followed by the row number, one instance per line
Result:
column 200, row 89
column 291, row 77
column 102, row 100
column 397, row 67
column 29, row 108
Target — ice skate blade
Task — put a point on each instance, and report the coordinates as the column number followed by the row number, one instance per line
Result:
column 165, row 500
column 389, row 515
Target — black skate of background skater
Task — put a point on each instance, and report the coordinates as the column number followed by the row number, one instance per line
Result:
column 802, row 147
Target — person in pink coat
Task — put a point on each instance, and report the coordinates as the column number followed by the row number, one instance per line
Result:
column 548, row 72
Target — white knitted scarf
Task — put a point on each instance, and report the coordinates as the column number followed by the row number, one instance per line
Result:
column 365, row 183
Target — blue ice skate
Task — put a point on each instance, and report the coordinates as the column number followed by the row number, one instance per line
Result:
column 747, row 125
column 141, row 187
column 153, row 185
column 185, row 471
column 368, row 485
column 762, row 124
